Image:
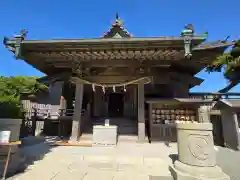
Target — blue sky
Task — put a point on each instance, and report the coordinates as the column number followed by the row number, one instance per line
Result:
column 49, row 19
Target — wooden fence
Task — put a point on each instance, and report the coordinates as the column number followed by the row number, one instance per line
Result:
column 163, row 132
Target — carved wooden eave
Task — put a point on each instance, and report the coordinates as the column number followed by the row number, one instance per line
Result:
column 108, row 78
column 54, row 56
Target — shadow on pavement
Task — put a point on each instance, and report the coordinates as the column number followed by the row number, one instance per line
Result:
column 34, row 149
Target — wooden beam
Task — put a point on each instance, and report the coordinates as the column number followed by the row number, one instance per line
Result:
column 104, row 62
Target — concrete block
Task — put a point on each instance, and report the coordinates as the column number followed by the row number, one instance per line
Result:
column 105, row 135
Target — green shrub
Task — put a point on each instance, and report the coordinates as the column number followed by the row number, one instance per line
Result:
column 10, row 107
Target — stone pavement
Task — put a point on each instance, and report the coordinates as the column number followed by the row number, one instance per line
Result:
column 228, row 160
column 126, row 161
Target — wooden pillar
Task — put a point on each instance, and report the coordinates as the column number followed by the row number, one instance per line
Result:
column 141, row 114
column 77, row 113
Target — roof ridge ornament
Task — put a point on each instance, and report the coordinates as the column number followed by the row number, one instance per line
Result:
column 118, row 21
column 117, row 29
column 187, row 34
column 22, row 34
column 117, row 16
column 16, row 47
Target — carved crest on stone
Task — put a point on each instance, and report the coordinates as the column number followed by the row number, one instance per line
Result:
column 199, row 146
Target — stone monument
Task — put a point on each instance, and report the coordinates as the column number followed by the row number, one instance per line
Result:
column 196, row 154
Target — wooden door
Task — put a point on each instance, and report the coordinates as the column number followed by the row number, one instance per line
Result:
column 115, row 104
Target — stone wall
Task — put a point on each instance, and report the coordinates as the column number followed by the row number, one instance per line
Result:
column 230, row 129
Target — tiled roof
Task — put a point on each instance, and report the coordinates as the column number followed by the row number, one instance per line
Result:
column 213, row 44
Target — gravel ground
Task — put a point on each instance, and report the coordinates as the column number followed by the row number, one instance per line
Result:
column 229, row 161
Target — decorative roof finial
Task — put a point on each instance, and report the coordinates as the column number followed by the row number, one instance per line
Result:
column 117, row 16
column 23, row 33
column 118, row 20
column 190, row 27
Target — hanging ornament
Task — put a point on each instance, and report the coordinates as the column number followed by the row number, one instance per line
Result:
column 124, row 88
column 114, row 89
column 103, row 88
column 93, row 87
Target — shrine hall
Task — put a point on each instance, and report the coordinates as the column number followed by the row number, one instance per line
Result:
column 119, row 85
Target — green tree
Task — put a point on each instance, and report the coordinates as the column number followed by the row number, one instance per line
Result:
column 14, row 86
column 11, row 89
column 230, row 64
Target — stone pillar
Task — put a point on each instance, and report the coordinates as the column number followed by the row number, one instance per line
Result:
column 141, row 113
column 77, row 113
column 230, row 129
column 203, row 114
column 196, row 154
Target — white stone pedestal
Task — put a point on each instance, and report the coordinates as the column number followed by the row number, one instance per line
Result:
column 104, row 135
column 196, row 155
